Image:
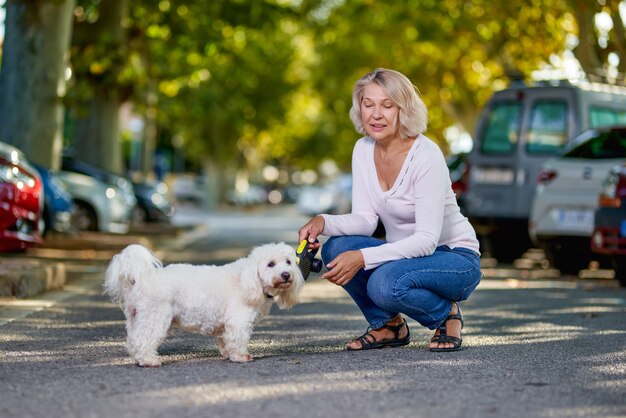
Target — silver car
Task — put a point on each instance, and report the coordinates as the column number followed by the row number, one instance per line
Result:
column 100, row 206
column 566, row 197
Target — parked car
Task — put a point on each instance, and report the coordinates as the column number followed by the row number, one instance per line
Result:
column 153, row 203
column 21, row 201
column 566, row 197
column 334, row 197
column 99, row 205
column 58, row 205
column 119, row 191
column 609, row 233
column 250, row 195
column 519, row 129
column 123, row 183
column 189, row 188
column 150, row 200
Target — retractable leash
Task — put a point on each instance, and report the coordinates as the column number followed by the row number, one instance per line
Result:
column 305, row 259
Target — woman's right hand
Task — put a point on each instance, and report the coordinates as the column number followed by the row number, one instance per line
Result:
column 311, row 230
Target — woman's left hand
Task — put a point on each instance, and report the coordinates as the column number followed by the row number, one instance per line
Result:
column 343, row 268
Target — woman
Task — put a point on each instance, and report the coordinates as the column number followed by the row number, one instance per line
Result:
column 430, row 258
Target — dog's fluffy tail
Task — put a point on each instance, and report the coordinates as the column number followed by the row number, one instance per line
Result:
column 129, row 268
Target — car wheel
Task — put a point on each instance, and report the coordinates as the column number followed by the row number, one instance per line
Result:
column 619, row 265
column 84, row 218
column 567, row 259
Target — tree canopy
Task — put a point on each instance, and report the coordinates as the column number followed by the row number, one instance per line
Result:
column 244, row 83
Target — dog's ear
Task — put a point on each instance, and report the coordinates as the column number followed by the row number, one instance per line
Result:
column 250, row 284
column 289, row 297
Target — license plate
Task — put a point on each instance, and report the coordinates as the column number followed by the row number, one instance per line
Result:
column 580, row 220
column 492, row 175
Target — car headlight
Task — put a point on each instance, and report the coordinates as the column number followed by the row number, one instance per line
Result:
column 158, row 199
column 162, row 188
column 10, row 173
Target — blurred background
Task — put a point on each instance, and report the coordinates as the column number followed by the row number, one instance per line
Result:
column 242, row 102
column 232, row 97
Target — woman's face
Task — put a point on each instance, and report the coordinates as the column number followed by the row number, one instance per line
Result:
column 379, row 114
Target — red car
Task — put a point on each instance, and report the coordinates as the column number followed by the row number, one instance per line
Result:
column 609, row 235
column 21, row 201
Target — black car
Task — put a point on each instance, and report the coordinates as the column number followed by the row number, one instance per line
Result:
column 153, row 203
column 609, row 234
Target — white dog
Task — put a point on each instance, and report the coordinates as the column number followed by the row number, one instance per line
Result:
column 223, row 301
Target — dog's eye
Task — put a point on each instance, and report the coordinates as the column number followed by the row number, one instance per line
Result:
column 271, row 264
column 288, row 262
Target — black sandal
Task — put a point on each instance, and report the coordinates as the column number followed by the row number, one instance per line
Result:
column 367, row 344
column 443, row 337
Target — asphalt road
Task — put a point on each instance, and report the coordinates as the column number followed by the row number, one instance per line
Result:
column 536, row 345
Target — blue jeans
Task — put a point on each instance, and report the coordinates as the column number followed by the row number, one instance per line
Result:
column 422, row 288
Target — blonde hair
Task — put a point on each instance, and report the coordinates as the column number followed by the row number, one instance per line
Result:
column 412, row 115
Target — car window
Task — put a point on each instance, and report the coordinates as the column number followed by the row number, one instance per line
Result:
column 599, row 117
column 501, row 132
column 605, row 145
column 547, row 132
column 455, row 161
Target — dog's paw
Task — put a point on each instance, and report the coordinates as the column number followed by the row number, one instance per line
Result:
column 239, row 358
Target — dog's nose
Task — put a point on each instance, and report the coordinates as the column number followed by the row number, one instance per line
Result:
column 285, row 276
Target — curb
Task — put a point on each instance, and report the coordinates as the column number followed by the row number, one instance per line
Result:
column 64, row 257
column 23, row 278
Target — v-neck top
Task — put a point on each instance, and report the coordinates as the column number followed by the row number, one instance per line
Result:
column 419, row 211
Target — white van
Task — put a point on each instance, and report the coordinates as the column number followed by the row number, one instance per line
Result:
column 520, row 128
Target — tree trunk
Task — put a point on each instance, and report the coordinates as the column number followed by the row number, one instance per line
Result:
column 32, row 80
column 149, row 134
column 213, row 181
column 587, row 50
column 96, row 135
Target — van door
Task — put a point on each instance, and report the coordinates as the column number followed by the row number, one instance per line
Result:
column 551, row 122
column 493, row 159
